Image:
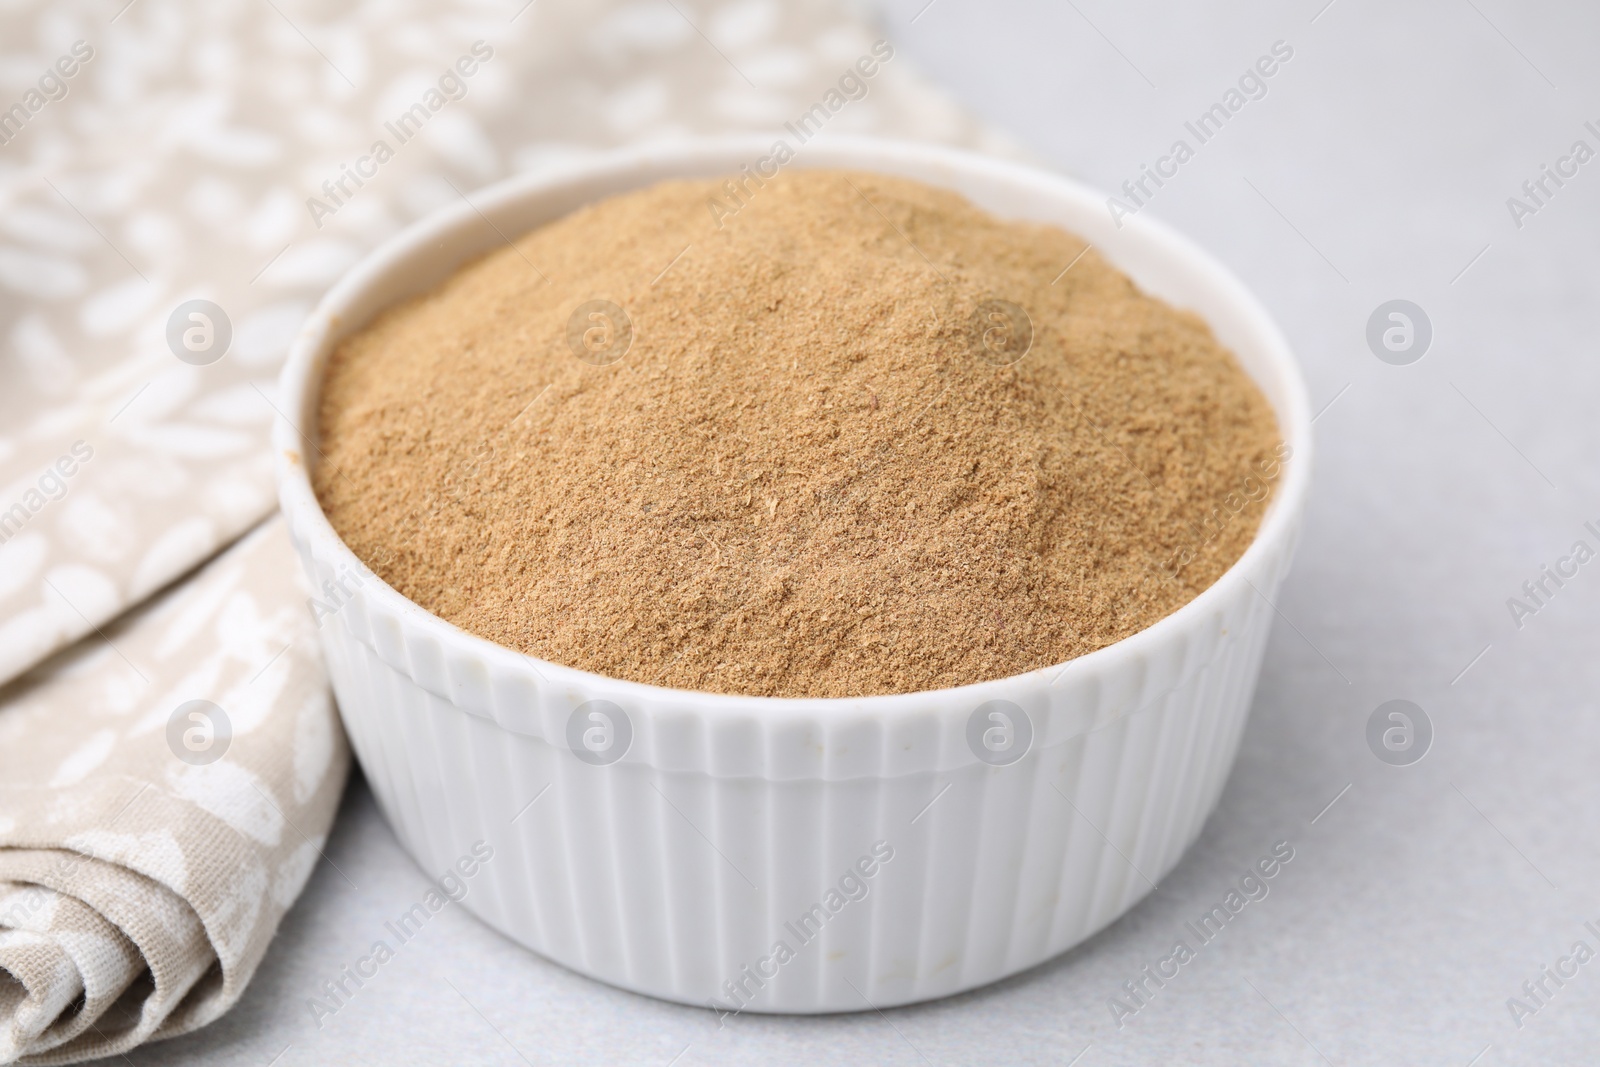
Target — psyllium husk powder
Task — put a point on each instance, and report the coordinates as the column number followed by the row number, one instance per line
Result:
column 857, row 437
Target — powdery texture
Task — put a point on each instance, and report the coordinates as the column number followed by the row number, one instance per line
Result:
column 802, row 479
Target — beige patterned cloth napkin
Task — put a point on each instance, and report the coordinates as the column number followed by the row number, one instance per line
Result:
column 153, row 839
column 154, row 152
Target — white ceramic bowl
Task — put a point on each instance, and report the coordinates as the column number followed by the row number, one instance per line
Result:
column 732, row 824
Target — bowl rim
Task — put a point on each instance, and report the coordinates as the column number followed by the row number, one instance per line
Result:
column 299, row 387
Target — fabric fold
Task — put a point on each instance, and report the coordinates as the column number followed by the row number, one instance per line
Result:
column 165, row 791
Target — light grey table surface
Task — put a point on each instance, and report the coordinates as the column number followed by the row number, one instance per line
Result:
column 1378, row 166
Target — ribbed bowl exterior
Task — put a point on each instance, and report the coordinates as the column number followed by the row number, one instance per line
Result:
column 789, row 855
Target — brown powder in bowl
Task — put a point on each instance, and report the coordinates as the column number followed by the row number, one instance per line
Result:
column 809, row 474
